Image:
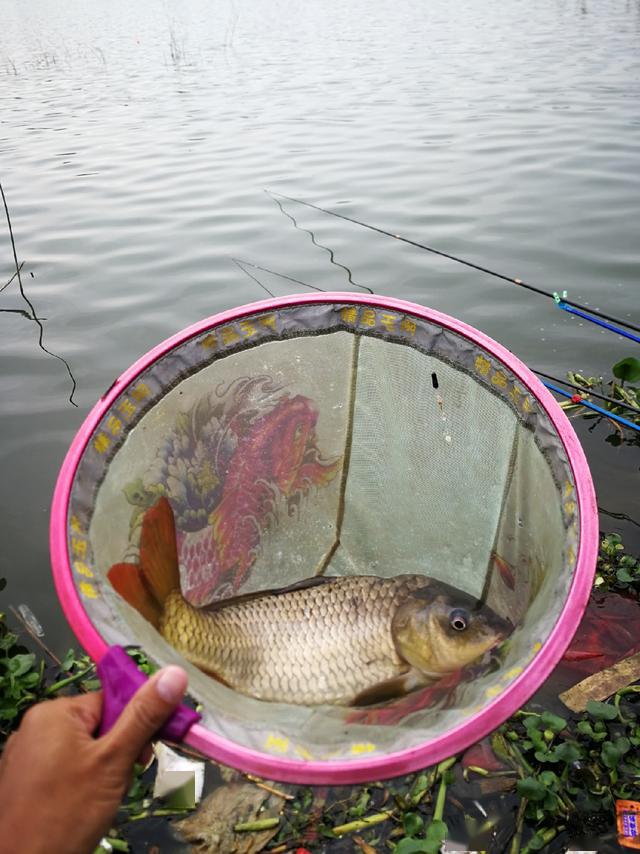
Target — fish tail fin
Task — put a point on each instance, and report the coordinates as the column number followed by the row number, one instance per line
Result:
column 159, row 552
column 127, row 580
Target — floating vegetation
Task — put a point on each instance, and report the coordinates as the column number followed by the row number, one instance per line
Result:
column 615, row 569
column 540, row 781
column 619, row 396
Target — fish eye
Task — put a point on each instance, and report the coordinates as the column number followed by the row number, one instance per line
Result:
column 459, row 619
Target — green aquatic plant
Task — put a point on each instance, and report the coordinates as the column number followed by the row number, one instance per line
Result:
column 619, row 395
column 21, row 677
column 562, row 773
column 573, row 770
column 615, row 569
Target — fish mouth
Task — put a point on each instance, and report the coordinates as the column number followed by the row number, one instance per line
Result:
column 501, row 628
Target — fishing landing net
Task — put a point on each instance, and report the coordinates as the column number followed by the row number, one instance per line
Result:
column 347, row 435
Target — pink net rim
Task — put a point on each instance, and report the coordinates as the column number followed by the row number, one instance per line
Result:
column 514, row 696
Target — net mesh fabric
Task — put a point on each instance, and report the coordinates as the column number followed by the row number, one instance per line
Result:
column 426, row 465
column 402, row 477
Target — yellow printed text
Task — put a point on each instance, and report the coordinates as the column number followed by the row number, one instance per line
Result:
column 126, row 408
column 277, row 743
column 88, row 590
column 82, row 569
column 141, row 392
column 102, row 443
column 357, row 749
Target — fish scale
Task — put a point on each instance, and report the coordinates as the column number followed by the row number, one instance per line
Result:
column 361, row 639
column 321, row 644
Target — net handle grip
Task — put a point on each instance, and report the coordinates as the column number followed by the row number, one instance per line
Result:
column 121, row 678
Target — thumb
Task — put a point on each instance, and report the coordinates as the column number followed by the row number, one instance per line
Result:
column 146, row 712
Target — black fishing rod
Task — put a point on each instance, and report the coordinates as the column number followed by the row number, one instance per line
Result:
column 581, row 401
column 562, row 301
column 588, row 391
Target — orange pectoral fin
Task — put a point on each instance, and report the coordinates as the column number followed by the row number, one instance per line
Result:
column 158, row 551
column 127, row 580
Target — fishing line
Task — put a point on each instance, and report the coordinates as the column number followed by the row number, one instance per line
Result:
column 620, row 516
column 251, row 276
column 319, row 245
column 6, row 284
column 588, row 391
column 451, row 257
column 19, row 311
column 582, row 401
column 34, row 316
column 598, row 409
column 239, row 262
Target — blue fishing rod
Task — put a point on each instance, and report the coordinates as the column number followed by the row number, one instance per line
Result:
column 599, row 409
column 608, row 322
column 598, row 320
column 552, row 386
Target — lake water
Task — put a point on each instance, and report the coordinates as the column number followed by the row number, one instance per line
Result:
column 136, row 143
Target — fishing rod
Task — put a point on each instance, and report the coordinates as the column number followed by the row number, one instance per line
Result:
column 561, row 301
column 243, row 264
column 588, row 391
column 565, row 306
column 598, row 409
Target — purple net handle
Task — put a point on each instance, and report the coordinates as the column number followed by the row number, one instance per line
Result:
column 121, row 678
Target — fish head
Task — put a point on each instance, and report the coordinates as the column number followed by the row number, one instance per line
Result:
column 295, row 432
column 439, row 629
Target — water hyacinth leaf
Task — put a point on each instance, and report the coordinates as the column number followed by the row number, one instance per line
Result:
column 585, row 728
column 536, row 843
column 612, row 752
column 531, row 789
column 627, row 370
column 553, row 722
column 436, row 834
column 548, row 778
column 412, row 823
column 624, row 576
column 601, row 711
column 566, row 752
column 21, row 664
column 67, row 661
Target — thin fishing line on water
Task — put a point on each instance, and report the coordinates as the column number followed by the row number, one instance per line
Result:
column 562, row 302
column 320, row 246
column 582, row 402
column 32, row 315
column 239, row 263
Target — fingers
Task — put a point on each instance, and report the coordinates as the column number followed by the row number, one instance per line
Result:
column 148, row 709
column 81, row 711
column 88, row 708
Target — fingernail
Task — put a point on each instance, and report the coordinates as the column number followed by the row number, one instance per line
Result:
column 171, row 684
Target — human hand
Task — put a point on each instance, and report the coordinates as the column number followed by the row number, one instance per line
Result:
column 60, row 786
